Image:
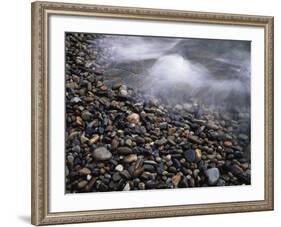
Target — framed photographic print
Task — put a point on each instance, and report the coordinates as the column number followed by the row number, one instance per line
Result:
column 145, row 113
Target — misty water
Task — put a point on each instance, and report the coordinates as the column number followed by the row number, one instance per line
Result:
column 176, row 70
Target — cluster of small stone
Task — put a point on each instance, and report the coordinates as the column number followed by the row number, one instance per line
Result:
column 117, row 140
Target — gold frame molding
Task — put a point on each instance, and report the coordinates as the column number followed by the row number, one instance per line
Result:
column 40, row 192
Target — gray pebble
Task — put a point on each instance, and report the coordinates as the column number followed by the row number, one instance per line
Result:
column 102, row 154
column 190, row 155
column 213, row 175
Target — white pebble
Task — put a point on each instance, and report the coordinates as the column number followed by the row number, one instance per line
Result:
column 119, row 168
column 127, row 187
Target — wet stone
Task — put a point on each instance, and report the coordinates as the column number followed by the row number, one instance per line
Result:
column 150, row 184
column 160, row 142
column 150, row 162
column 75, row 100
column 138, row 171
column 171, row 140
column 73, row 135
column 243, row 137
column 86, row 115
column 66, row 171
column 89, row 177
column 116, row 176
column 172, row 169
column 70, row 159
column 84, row 139
column 227, row 143
column 163, row 125
column 102, row 154
column 196, row 173
column 176, row 163
column 195, row 139
column 213, row 175
column 189, row 155
column 149, row 168
column 127, row 187
column 141, row 186
column 128, row 142
column 84, row 171
column 236, row 170
column 116, row 86
column 76, row 149
column 130, row 158
column 183, row 183
column 125, row 174
column 212, row 125
column 82, row 184
column 133, row 118
column 139, row 140
column 124, row 150
column 119, row 168
column 198, row 154
column 172, row 131
column 221, row 182
column 94, row 139
column 102, row 187
column 176, row 179
column 191, row 182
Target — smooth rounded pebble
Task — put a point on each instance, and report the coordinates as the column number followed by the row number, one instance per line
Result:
column 213, row 175
column 102, row 154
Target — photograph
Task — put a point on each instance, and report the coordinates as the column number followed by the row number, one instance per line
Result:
column 153, row 112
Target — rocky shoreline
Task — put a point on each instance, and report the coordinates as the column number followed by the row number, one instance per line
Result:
column 119, row 140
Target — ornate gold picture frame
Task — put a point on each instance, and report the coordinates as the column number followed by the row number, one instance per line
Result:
column 41, row 13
